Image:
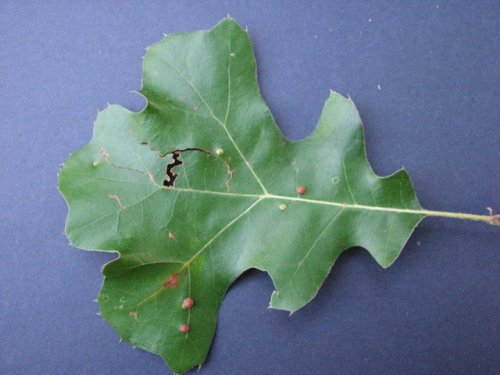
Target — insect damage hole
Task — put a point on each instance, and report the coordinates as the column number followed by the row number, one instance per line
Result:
column 171, row 175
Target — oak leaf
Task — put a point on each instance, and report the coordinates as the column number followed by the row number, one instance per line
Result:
column 201, row 186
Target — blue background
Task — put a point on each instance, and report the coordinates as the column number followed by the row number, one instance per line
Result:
column 436, row 310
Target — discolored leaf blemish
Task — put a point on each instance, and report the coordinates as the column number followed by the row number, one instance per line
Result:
column 172, row 281
column 187, row 303
column 301, row 190
column 105, row 154
column 117, row 199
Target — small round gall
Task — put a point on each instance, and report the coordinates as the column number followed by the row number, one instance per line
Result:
column 219, row 151
column 301, row 190
column 187, row 303
column 282, row 206
column 95, row 163
column 184, row 328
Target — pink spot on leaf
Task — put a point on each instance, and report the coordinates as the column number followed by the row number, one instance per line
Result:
column 172, row 281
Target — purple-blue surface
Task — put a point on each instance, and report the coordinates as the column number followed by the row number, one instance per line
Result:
column 426, row 78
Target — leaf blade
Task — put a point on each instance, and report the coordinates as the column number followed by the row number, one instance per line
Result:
column 229, row 211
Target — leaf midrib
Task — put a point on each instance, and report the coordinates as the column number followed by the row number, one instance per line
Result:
column 303, row 200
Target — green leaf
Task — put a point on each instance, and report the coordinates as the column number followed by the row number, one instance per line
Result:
column 234, row 204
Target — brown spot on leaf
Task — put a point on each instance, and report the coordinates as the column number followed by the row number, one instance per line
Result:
column 229, row 175
column 117, row 199
column 105, row 154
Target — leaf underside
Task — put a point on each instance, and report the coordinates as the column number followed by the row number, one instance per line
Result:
column 200, row 186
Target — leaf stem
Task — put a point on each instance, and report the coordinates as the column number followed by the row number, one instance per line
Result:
column 490, row 219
